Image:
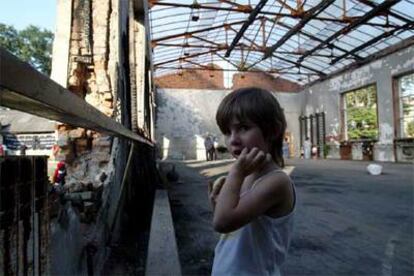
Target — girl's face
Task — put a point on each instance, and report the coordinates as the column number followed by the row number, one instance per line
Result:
column 244, row 134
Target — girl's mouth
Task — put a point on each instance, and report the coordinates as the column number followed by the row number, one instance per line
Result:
column 237, row 152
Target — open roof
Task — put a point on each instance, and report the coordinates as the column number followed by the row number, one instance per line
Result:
column 299, row 40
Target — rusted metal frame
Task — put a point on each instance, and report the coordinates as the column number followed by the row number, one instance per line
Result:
column 309, row 15
column 186, row 45
column 283, row 3
column 184, row 58
column 232, row 3
column 263, row 26
column 198, row 31
column 251, row 45
column 350, row 19
column 372, row 41
column 246, row 24
column 396, row 15
column 197, row 64
column 222, row 9
column 205, row 40
column 24, row 88
column 170, row 23
column 301, row 65
column 372, row 13
column 382, row 53
column 248, row 39
column 185, row 39
column 219, row 47
column 277, row 71
column 227, row 60
column 316, row 38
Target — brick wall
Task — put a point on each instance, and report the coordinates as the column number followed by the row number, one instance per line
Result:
column 202, row 79
column 265, row 81
column 192, row 79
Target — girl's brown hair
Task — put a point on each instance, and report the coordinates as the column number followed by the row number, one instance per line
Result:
column 260, row 107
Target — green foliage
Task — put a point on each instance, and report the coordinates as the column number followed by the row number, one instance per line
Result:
column 361, row 113
column 362, row 123
column 31, row 45
column 326, row 150
column 410, row 129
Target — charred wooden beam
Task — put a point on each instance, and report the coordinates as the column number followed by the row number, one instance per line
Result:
column 25, row 89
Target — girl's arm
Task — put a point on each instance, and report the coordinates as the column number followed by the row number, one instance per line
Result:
column 232, row 212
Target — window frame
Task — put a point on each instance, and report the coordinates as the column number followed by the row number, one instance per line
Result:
column 344, row 129
column 396, row 103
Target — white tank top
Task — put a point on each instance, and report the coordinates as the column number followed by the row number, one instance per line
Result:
column 258, row 248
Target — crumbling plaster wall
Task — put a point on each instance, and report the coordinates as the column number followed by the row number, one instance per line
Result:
column 96, row 163
column 184, row 116
column 326, row 96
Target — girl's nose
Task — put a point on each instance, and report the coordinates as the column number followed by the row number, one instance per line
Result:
column 234, row 138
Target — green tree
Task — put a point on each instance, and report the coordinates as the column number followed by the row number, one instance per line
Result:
column 362, row 123
column 32, row 45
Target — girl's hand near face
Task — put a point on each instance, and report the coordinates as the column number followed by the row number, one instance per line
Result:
column 250, row 161
column 214, row 189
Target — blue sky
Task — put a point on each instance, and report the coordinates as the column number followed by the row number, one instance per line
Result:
column 22, row 13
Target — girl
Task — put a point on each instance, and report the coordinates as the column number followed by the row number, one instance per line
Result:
column 254, row 205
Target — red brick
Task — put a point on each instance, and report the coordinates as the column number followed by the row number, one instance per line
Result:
column 201, row 79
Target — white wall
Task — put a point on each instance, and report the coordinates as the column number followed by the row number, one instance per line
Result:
column 325, row 96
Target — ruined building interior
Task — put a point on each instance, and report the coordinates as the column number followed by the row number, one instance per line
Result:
column 134, row 89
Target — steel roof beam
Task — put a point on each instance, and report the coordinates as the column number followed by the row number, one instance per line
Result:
column 184, row 58
column 250, row 20
column 372, row 41
column 235, row 70
column 317, row 39
column 320, row 73
column 205, row 7
column 309, row 15
column 396, row 15
column 155, row 41
column 369, row 15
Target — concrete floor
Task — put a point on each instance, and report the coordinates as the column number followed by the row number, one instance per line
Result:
column 348, row 222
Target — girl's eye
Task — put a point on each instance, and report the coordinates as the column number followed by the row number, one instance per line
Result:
column 244, row 127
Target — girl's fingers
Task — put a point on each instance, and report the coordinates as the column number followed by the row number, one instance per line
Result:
column 252, row 153
column 244, row 152
column 218, row 184
column 259, row 158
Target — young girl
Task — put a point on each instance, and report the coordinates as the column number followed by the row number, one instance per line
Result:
column 254, row 204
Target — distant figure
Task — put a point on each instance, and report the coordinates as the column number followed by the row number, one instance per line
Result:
column 314, row 152
column 3, row 150
column 59, row 175
column 23, row 149
column 209, row 146
column 286, row 148
column 307, row 148
column 215, row 146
